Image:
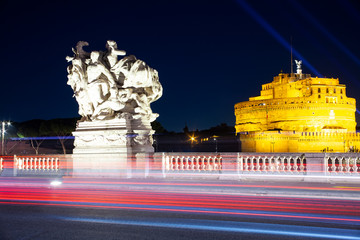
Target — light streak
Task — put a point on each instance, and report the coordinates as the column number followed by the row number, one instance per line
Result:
column 322, row 29
column 239, row 227
column 275, row 34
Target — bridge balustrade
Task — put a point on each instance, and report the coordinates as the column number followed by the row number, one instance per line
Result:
column 37, row 163
column 340, row 165
column 200, row 163
column 271, row 164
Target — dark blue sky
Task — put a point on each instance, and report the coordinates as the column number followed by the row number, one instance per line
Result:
column 209, row 54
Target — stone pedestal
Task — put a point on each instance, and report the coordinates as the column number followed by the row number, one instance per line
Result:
column 112, row 148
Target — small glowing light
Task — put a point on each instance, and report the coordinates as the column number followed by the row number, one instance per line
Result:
column 55, row 183
column 192, row 138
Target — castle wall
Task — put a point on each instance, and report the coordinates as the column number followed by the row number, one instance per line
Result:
column 270, row 141
column 280, row 119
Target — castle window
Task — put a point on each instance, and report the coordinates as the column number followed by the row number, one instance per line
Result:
column 319, row 96
column 341, row 91
column 334, row 90
column 327, row 90
column 319, row 90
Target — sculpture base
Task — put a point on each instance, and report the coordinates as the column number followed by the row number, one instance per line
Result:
column 111, row 148
column 112, row 165
column 113, row 136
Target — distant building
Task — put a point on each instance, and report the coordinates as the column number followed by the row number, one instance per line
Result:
column 298, row 113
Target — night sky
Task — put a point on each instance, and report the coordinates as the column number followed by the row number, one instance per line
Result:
column 209, row 54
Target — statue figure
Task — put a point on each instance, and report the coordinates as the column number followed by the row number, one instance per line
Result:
column 102, row 89
column 113, row 53
column 298, row 66
column 107, row 88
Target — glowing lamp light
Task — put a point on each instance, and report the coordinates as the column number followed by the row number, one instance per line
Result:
column 55, row 183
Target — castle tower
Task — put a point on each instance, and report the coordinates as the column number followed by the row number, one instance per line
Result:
column 294, row 109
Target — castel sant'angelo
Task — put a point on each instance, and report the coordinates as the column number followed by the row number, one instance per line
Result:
column 298, row 113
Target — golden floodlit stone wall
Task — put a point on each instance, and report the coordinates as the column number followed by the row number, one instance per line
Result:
column 298, row 113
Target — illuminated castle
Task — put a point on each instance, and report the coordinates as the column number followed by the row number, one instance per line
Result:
column 298, row 113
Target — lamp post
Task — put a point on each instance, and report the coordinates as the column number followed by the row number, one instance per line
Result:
column 216, row 149
column 3, row 124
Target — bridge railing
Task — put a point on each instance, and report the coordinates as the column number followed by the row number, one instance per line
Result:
column 37, row 163
column 245, row 164
column 291, row 164
column 180, row 164
column 339, row 164
column 189, row 162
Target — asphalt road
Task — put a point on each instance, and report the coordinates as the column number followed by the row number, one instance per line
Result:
column 164, row 209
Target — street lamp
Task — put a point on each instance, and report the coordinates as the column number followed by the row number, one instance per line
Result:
column 215, row 140
column 3, row 124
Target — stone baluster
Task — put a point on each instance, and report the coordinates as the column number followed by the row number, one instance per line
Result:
column 240, row 161
column 173, row 163
column 39, row 165
column 178, row 163
column 193, row 163
column 257, row 164
column 351, row 165
column 347, row 165
column 328, row 166
column 203, row 166
column 166, row 161
column 43, row 164
column 302, row 167
column 48, row 163
column 275, row 164
column 198, row 160
column 333, row 165
column 266, row 164
column 182, row 163
column 31, row 163
column 210, row 163
column 252, row 163
column 340, row 166
column 52, row 164
column 295, row 165
column 248, row 164
column 220, row 163
column 19, row 162
column 282, row 164
column 26, row 164
column 288, row 164
column 57, row 164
